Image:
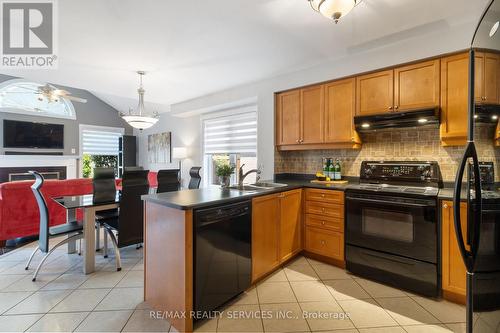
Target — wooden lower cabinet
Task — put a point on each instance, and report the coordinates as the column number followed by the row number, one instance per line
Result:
column 453, row 268
column 497, row 135
column 276, row 230
column 324, row 223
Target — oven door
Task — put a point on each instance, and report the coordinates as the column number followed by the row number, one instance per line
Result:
column 397, row 225
column 488, row 258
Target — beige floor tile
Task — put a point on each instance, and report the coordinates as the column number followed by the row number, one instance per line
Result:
column 346, row 289
column 122, row 299
column 8, row 300
column 206, row 326
column 330, row 272
column 457, row 328
column 105, row 321
column 393, row 329
column 275, row 292
column 299, row 260
column 378, row 290
column 300, row 273
column 59, row 322
column 446, row 312
column 132, row 279
column 491, row 318
column 325, row 316
column 39, row 302
column 81, row 300
column 19, row 268
column 277, row 276
column 285, row 317
column 27, row 283
column 367, row 313
column 352, row 330
column 17, row 323
column 5, row 265
column 103, row 279
column 241, row 318
column 247, row 297
column 406, row 311
column 480, row 325
column 141, row 321
column 66, row 281
column 311, row 291
column 126, row 264
column 7, row 280
column 427, row 329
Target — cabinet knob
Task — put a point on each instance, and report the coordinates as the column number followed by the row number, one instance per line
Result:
column 352, row 139
column 322, row 195
column 323, row 210
column 396, row 107
column 323, row 242
column 445, row 206
column 483, row 98
column 390, row 107
column 322, row 222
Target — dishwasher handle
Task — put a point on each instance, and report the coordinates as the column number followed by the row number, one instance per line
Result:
column 208, row 216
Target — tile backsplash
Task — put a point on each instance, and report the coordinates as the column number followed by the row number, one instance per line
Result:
column 393, row 144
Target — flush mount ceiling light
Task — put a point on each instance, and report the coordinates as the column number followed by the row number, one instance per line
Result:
column 333, row 9
column 139, row 120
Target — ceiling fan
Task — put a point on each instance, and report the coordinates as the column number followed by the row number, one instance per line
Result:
column 48, row 92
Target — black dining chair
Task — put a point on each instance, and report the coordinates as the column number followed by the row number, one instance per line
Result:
column 168, row 181
column 127, row 228
column 72, row 229
column 104, row 190
column 195, row 180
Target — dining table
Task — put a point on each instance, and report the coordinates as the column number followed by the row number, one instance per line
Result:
column 90, row 207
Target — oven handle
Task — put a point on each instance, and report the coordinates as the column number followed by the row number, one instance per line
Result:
column 390, row 259
column 406, row 204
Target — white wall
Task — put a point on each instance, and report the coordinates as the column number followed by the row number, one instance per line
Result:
column 185, row 133
column 366, row 58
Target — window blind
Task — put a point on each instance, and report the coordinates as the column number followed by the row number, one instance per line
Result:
column 96, row 142
column 231, row 134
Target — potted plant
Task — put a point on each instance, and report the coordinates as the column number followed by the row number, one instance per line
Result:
column 224, row 172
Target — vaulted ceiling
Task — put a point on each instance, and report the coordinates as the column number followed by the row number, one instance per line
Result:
column 193, row 48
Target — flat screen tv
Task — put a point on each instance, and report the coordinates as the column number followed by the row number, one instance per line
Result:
column 23, row 134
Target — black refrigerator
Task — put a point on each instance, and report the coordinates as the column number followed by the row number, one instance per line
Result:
column 477, row 180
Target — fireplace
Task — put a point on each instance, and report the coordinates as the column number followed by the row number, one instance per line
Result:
column 8, row 174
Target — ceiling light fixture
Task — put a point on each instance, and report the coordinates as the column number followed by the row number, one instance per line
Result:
column 333, row 9
column 140, row 120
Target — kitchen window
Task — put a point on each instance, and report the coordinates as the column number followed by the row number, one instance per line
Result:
column 231, row 138
column 99, row 147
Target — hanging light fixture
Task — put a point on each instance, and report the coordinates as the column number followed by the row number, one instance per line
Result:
column 333, row 9
column 140, row 120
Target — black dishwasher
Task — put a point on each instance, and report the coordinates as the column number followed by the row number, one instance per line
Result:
column 222, row 254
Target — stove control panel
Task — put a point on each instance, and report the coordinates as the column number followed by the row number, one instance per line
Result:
column 486, row 171
column 407, row 171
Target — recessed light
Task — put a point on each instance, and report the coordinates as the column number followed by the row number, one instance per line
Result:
column 494, row 28
column 476, row 116
column 365, row 125
column 422, row 120
column 494, row 117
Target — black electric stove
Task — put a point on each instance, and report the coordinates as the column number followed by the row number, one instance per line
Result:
column 391, row 224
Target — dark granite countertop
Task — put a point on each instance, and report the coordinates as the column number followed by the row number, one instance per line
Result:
column 212, row 196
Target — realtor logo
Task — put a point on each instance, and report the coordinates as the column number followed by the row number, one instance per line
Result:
column 28, row 34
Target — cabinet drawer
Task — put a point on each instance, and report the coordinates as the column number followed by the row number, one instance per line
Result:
column 334, row 224
column 324, row 242
column 328, row 196
column 323, row 209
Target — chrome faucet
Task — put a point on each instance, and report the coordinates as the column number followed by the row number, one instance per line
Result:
column 242, row 176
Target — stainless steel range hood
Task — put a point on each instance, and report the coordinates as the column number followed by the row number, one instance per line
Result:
column 423, row 117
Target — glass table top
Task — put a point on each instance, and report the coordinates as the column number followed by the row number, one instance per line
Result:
column 83, row 201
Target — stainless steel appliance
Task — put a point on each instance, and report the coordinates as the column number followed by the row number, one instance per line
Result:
column 479, row 244
column 222, row 254
column 391, row 225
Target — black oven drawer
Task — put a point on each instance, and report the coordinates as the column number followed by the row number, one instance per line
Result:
column 400, row 272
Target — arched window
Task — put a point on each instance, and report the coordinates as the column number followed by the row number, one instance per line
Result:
column 21, row 96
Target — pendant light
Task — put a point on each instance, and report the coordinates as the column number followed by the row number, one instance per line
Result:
column 333, row 9
column 140, row 120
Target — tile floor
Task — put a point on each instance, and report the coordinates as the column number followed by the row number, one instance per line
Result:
column 63, row 299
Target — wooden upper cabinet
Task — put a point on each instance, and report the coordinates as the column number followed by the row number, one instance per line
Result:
column 340, row 109
column 416, row 86
column 265, row 234
column 487, row 66
column 312, row 114
column 375, row 93
column 288, row 118
column 454, row 96
column 453, row 275
column 290, row 224
column 497, row 135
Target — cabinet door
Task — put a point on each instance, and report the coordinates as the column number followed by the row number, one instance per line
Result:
column 417, row 86
column 312, row 115
column 375, row 93
column 454, row 95
column 453, row 266
column 288, row 118
column 265, row 234
column 340, row 102
column 497, row 135
column 290, row 224
column 490, row 88
column 325, row 242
